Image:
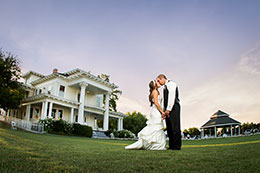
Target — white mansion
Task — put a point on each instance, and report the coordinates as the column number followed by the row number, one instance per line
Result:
column 74, row 96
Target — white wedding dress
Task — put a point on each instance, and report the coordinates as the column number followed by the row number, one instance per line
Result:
column 152, row 136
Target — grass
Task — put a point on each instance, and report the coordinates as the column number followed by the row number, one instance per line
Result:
column 22, row 151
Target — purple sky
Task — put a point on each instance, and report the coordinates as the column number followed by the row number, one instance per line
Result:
column 210, row 48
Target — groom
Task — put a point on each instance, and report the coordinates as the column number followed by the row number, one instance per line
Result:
column 172, row 111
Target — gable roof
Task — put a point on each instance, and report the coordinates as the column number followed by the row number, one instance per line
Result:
column 32, row 73
column 70, row 75
column 220, row 118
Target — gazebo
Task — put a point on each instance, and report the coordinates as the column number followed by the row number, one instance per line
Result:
column 220, row 119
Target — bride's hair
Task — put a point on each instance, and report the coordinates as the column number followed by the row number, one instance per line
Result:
column 152, row 86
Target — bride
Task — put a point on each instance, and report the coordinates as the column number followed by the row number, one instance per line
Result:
column 152, row 136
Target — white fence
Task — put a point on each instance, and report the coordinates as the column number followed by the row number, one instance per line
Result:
column 25, row 125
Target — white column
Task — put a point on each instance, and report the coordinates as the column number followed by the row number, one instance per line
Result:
column 106, row 116
column 202, row 132
column 238, row 129
column 44, row 110
column 118, row 124
column 83, row 86
column 231, row 132
column 71, row 115
column 121, row 124
column 215, row 129
column 50, row 110
column 28, row 110
column 56, row 115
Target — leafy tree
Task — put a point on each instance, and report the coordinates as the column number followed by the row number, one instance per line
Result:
column 248, row 125
column 114, row 94
column 134, row 122
column 193, row 131
column 185, row 132
column 11, row 90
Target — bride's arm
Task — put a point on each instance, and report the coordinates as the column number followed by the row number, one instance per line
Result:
column 156, row 103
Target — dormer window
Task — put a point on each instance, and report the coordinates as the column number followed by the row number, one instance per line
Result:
column 49, row 90
column 62, row 90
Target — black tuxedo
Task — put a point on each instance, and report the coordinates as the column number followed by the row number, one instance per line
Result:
column 173, row 122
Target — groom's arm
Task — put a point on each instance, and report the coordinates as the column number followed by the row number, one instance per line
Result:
column 171, row 86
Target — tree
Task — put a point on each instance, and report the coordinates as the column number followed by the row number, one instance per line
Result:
column 249, row 126
column 114, row 94
column 185, row 132
column 134, row 122
column 193, row 131
column 11, row 90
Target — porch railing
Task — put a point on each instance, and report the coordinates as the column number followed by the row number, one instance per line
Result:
column 25, row 125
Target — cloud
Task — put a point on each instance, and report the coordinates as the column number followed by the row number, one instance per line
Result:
column 250, row 61
column 235, row 92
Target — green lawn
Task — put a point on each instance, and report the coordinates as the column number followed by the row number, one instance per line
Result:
column 27, row 152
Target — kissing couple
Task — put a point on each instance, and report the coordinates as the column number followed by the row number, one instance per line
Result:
column 166, row 107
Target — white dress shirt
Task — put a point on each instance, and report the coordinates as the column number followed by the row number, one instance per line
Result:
column 171, row 86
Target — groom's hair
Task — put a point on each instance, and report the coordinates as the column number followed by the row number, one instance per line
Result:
column 161, row 76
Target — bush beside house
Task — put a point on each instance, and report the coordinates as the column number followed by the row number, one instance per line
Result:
column 120, row 134
column 65, row 128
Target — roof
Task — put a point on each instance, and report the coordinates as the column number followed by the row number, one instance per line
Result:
column 70, row 75
column 219, row 119
column 33, row 73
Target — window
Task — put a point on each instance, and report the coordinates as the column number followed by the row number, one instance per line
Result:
column 60, row 114
column 99, row 100
column 49, row 90
column 36, row 112
column 76, row 118
column 47, row 113
column 40, row 91
column 85, row 119
column 78, row 97
column 53, row 113
column 62, row 90
column 26, row 94
column 31, row 113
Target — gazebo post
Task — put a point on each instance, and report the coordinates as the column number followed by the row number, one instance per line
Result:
column 238, row 129
column 231, row 132
column 215, row 128
column 202, row 132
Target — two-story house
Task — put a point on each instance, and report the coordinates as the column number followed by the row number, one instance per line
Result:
column 74, row 96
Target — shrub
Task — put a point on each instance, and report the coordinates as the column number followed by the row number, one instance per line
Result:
column 48, row 124
column 120, row 134
column 125, row 134
column 82, row 130
column 108, row 132
column 57, row 126
column 63, row 127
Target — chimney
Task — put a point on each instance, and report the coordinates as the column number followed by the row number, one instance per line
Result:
column 55, row 70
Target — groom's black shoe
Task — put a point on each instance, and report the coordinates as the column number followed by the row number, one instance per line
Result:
column 169, row 148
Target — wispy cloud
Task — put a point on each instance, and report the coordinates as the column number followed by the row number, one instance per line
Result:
column 250, row 61
column 235, row 91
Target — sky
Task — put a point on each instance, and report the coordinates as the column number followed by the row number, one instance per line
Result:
column 211, row 49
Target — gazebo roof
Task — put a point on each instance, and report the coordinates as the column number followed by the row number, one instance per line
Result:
column 218, row 119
